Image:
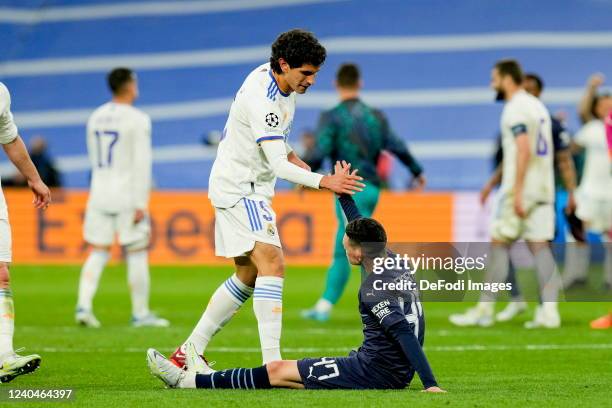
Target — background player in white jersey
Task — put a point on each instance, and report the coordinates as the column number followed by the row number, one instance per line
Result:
column 594, row 194
column 119, row 146
column 253, row 152
column 524, row 207
column 12, row 364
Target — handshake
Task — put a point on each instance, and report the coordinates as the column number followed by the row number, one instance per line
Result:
column 343, row 181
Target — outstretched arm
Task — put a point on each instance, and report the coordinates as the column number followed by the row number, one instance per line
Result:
column 390, row 314
column 403, row 335
column 397, row 146
column 346, row 201
column 349, row 207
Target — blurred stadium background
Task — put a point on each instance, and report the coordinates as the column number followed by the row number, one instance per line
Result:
column 425, row 63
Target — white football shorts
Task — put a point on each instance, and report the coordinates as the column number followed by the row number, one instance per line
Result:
column 597, row 213
column 101, row 228
column 237, row 228
column 538, row 226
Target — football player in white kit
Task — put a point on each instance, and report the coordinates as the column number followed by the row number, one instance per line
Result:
column 253, row 152
column 524, row 207
column 12, row 364
column 593, row 195
column 119, row 146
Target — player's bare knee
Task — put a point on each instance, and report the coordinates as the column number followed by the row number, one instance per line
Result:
column 246, row 271
column 275, row 372
column 269, row 260
column 4, row 275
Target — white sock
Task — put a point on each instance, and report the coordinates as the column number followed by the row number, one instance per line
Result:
column 7, row 321
column 577, row 259
column 222, row 306
column 189, row 380
column 548, row 276
column 139, row 282
column 607, row 261
column 323, row 306
column 497, row 271
column 268, row 307
column 90, row 276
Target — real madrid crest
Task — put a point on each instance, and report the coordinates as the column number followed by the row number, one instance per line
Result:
column 271, row 230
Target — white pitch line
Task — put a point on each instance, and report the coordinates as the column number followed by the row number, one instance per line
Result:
column 335, row 45
column 44, row 14
column 344, row 350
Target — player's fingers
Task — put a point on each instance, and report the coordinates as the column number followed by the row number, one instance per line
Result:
column 356, row 186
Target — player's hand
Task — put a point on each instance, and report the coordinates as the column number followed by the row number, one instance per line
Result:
column 484, row 193
column 139, row 215
column 418, row 183
column 42, row 194
column 596, row 80
column 434, row 390
column 518, row 206
column 343, row 181
column 570, row 208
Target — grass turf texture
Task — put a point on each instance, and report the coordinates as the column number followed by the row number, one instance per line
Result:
column 505, row 365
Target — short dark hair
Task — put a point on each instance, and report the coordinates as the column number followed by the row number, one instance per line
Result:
column 537, row 79
column 512, row 68
column 297, row 47
column 118, row 77
column 364, row 230
column 348, row 75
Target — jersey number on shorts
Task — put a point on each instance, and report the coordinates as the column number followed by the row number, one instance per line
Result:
column 331, row 364
column 105, row 141
column 542, row 146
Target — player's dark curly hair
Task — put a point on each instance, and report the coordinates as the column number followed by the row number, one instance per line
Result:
column 369, row 233
column 297, row 47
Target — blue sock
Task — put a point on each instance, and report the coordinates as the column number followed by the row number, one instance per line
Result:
column 237, row 378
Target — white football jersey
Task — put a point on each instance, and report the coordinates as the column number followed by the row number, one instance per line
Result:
column 260, row 112
column 8, row 133
column 525, row 113
column 120, row 154
column 596, row 179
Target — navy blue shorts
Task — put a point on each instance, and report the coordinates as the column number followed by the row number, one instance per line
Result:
column 339, row 373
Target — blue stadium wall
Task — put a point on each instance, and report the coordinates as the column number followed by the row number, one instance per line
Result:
column 426, row 63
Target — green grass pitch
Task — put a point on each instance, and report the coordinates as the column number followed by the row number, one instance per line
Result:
column 505, row 365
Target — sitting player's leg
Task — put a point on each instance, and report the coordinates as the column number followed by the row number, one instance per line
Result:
column 11, row 364
column 99, row 233
column 281, row 374
column 224, row 303
column 268, row 297
column 275, row 374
